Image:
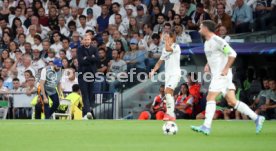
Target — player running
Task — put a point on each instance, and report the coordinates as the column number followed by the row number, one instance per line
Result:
column 220, row 58
column 171, row 57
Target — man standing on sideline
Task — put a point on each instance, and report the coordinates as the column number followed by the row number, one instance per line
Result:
column 88, row 59
column 50, row 84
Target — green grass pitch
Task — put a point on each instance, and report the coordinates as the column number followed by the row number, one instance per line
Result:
column 118, row 135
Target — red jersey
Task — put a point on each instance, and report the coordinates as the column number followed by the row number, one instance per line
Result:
column 194, row 90
column 158, row 103
column 182, row 100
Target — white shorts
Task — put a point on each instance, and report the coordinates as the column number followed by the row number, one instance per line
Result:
column 172, row 81
column 222, row 84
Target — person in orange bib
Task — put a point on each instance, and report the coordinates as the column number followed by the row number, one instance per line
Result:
column 157, row 109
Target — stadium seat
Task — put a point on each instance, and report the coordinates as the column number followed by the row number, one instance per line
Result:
column 196, row 37
column 4, row 107
column 67, row 104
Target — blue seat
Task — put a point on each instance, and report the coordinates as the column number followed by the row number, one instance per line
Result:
column 196, row 37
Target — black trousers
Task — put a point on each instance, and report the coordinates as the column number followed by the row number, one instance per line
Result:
column 47, row 109
column 87, row 95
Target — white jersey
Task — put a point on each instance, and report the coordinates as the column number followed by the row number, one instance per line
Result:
column 217, row 51
column 172, row 60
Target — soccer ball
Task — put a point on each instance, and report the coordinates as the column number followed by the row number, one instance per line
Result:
column 170, row 128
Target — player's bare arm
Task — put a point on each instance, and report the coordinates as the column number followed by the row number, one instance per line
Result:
column 45, row 99
column 156, row 67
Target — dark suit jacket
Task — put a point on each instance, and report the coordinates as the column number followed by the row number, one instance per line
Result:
column 168, row 6
column 88, row 59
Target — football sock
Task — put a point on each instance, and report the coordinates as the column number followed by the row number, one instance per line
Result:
column 170, row 105
column 244, row 109
column 209, row 113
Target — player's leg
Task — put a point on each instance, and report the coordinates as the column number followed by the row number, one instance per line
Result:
column 209, row 114
column 210, row 108
column 170, row 84
column 170, row 104
column 239, row 106
column 244, row 109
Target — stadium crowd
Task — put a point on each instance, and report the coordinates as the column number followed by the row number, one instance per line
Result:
column 127, row 33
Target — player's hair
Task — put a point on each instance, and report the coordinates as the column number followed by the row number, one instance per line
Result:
column 75, row 88
column 211, row 25
column 173, row 36
column 1, row 79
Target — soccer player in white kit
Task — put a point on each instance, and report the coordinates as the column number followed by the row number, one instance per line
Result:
column 171, row 56
column 220, row 58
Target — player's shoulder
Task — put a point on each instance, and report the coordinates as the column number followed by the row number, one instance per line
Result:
column 218, row 40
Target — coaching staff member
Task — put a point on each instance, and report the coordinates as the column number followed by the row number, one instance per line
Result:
column 88, row 58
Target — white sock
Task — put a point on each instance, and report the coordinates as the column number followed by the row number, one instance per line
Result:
column 244, row 109
column 170, row 105
column 209, row 113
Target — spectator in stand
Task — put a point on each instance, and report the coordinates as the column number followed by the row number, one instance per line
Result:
column 29, row 15
column 97, row 10
column 269, row 109
column 156, row 12
column 122, row 28
column 158, row 28
column 265, row 11
column 242, row 17
column 7, row 79
column 189, row 6
column 197, row 17
column 154, row 52
column 16, row 85
column 222, row 18
column 229, row 5
column 30, row 86
column 4, row 55
column 166, row 7
column 100, row 83
column 63, row 29
column 117, row 36
column 130, row 13
column 134, row 58
column 43, row 19
column 211, row 8
column 142, row 18
column 91, row 21
column 153, row 3
column 133, row 26
column 83, row 26
column 37, row 62
column 103, row 20
column 53, row 18
column 148, row 33
column 37, row 43
column 116, row 10
column 142, row 44
column 57, row 44
column 139, row 3
column 117, row 68
column 119, row 47
column 223, row 33
column 75, row 43
column 157, row 107
column 12, row 48
column 181, row 36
